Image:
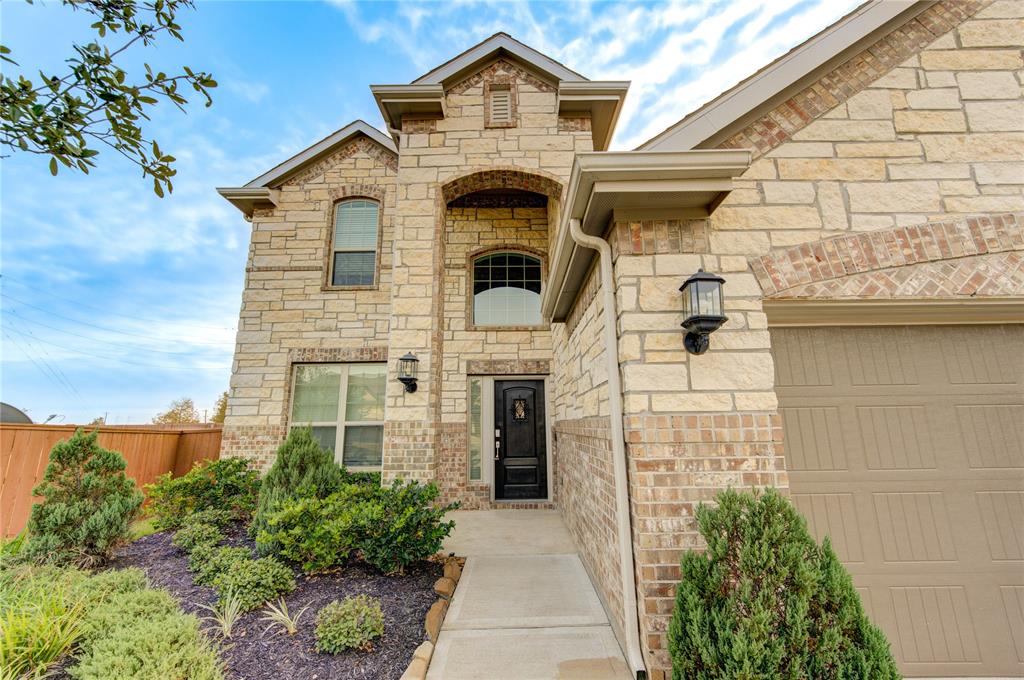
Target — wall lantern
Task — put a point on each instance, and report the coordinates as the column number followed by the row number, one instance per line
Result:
column 407, row 371
column 702, row 310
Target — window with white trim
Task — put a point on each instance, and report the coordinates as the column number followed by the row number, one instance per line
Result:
column 354, row 243
column 506, row 290
column 344, row 404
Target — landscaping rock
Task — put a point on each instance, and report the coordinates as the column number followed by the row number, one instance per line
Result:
column 453, row 570
column 445, row 587
column 435, row 617
column 417, row 670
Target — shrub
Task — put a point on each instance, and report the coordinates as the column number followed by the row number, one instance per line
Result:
column 195, row 535
column 168, row 646
column 302, row 469
column 224, row 485
column 99, row 587
column 213, row 516
column 317, row 533
column 39, row 622
column 226, row 613
column 765, row 600
column 88, row 504
column 404, row 527
column 388, row 528
column 122, row 609
column 208, row 562
column 350, row 624
column 254, row 582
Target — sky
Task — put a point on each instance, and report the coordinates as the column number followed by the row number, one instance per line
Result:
column 114, row 302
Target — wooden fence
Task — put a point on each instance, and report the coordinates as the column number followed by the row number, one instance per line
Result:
column 149, row 452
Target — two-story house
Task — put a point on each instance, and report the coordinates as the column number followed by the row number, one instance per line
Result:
column 862, row 199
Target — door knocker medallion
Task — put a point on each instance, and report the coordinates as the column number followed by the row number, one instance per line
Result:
column 519, row 410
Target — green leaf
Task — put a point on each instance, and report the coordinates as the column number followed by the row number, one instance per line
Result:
column 157, row 189
column 53, row 166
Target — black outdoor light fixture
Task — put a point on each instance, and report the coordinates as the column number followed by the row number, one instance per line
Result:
column 407, row 371
column 702, row 310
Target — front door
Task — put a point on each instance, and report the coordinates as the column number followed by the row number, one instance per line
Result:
column 520, row 443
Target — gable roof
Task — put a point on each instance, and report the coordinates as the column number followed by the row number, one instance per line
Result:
column 262, row 192
column 322, row 148
column 499, row 44
column 716, row 120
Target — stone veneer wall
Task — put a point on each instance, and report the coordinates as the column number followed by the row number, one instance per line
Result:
column 926, row 126
column 288, row 312
column 582, row 442
column 440, row 160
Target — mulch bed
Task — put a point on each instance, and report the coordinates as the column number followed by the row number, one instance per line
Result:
column 253, row 654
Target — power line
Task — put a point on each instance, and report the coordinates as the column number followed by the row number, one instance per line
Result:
column 49, row 376
column 102, row 328
column 124, row 361
column 56, row 369
column 133, row 348
column 133, row 317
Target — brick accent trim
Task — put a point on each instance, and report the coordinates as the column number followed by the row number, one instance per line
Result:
column 508, row 367
column 651, row 237
column 316, row 355
column 835, row 87
column 359, row 145
column 502, row 177
column 501, row 70
column 843, row 256
column 360, row 190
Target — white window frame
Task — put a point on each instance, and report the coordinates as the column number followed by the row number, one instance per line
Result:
column 335, row 249
column 487, row 432
column 340, row 424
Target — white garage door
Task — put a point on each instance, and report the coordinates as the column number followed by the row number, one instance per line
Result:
column 906, row 446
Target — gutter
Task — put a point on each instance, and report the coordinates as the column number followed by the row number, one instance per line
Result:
column 631, row 620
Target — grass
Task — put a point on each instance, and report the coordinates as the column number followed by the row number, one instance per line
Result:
column 142, row 527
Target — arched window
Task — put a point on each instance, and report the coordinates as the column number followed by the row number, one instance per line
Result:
column 354, row 245
column 506, row 290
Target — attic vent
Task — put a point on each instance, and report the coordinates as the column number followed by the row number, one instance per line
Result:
column 500, row 105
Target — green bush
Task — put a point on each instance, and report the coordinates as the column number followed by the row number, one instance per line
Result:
column 170, row 645
column 93, row 590
column 302, row 469
column 224, row 485
column 208, row 562
column 765, row 601
column 39, row 622
column 388, row 528
column 254, row 582
column 213, row 516
column 350, row 624
column 404, row 527
column 119, row 609
column 317, row 533
column 88, row 504
column 195, row 535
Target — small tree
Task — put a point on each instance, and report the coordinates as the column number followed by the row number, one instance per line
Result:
column 220, row 409
column 88, row 504
column 765, row 601
column 302, row 469
column 180, row 411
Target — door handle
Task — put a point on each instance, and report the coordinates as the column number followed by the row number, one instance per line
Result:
column 497, row 449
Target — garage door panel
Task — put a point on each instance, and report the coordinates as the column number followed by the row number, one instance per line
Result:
column 922, row 489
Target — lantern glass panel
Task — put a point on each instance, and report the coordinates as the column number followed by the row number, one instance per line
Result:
column 687, row 307
column 406, row 368
column 706, row 298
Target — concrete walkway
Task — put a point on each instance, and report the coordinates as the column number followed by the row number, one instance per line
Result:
column 525, row 608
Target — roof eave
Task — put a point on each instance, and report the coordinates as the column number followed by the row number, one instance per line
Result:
column 635, row 184
column 602, row 100
column 717, row 119
column 247, row 199
column 395, row 101
column 498, row 44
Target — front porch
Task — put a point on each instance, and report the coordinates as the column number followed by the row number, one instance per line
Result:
column 525, row 608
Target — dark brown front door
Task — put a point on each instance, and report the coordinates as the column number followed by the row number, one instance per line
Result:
column 520, row 444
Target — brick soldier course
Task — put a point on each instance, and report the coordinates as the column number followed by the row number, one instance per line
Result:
column 893, row 175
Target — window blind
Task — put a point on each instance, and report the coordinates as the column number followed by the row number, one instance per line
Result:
column 355, row 226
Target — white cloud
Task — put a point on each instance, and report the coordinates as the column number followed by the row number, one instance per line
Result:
column 249, row 90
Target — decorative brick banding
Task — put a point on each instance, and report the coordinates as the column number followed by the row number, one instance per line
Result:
column 835, row 87
column 505, row 177
column 364, row 145
column 793, row 272
column 508, row 367
column 314, row 355
column 650, row 237
column 364, row 190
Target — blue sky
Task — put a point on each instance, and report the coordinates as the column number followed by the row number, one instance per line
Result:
column 116, row 302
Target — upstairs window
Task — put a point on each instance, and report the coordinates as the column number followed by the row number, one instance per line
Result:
column 354, row 245
column 506, row 290
column 500, row 105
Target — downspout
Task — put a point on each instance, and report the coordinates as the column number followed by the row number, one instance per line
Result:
column 634, row 657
